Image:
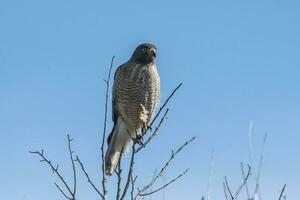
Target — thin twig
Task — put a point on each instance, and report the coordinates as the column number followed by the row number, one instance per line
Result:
column 132, row 186
column 154, row 175
column 244, row 176
column 61, row 191
column 227, row 186
column 225, row 191
column 240, row 187
column 107, row 81
column 130, row 171
column 73, row 165
column 260, row 163
column 88, row 177
column 162, row 107
column 166, row 185
column 154, row 132
column 243, row 184
column 281, row 193
column 54, row 170
column 119, row 177
column 145, row 188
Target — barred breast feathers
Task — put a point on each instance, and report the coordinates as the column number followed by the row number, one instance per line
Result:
column 136, row 89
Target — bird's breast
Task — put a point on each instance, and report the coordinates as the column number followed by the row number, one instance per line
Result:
column 138, row 90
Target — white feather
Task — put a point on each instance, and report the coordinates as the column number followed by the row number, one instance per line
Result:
column 120, row 141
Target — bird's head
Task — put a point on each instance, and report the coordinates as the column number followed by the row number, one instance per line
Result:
column 144, row 53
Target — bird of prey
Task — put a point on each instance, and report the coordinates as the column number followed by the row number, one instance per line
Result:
column 135, row 95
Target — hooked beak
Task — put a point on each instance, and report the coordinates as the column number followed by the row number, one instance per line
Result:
column 153, row 52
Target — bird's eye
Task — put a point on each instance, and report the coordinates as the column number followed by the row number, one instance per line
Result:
column 144, row 49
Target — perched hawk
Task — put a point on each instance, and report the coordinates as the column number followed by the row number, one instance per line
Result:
column 135, row 95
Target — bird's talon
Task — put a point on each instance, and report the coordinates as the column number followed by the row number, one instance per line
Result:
column 139, row 140
column 149, row 127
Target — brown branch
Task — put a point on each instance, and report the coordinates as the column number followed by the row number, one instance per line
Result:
column 163, row 169
column 130, row 171
column 107, row 81
column 166, row 185
column 154, row 133
column 88, row 177
column 240, row 187
column 281, row 193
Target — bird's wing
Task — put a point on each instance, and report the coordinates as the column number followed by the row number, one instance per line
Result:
column 114, row 96
column 156, row 95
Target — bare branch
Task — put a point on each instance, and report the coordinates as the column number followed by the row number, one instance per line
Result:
column 145, row 188
column 88, row 177
column 130, row 171
column 244, row 177
column 240, row 187
column 281, row 193
column 119, row 177
column 132, row 186
column 243, row 184
column 162, row 107
column 260, row 163
column 73, row 165
column 225, row 191
column 227, row 186
column 61, row 191
column 55, row 171
column 104, row 128
column 166, row 185
column 154, row 133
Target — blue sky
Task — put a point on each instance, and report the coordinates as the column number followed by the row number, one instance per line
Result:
column 238, row 60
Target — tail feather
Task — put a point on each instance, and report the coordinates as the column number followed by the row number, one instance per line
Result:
column 118, row 143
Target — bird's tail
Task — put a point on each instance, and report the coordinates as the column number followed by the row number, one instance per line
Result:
column 119, row 141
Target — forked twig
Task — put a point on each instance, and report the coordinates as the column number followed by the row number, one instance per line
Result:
column 145, row 188
column 73, row 165
column 118, row 172
column 166, row 185
column 225, row 191
column 133, row 180
column 61, row 191
column 55, row 171
column 240, row 187
column 154, row 133
column 228, row 189
column 162, row 107
column 244, row 176
column 130, row 171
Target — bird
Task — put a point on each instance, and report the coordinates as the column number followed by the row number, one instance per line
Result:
column 135, row 95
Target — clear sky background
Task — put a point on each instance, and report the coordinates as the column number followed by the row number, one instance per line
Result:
column 239, row 61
